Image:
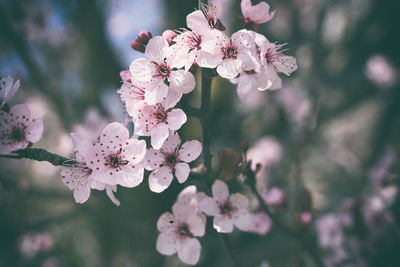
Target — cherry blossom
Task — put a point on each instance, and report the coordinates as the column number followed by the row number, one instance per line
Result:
column 157, row 120
column 178, row 232
column 18, row 129
column 191, row 42
column 162, row 71
column 116, row 159
column 228, row 210
column 190, row 197
column 170, row 160
column 79, row 177
column 7, row 89
column 233, row 55
column 257, row 14
column 208, row 18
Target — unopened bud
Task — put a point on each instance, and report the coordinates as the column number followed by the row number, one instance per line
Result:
column 137, row 46
column 169, row 36
column 125, row 75
column 305, row 217
column 144, row 36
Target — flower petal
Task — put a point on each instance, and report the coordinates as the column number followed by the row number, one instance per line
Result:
column 171, row 143
column 229, row 68
column 238, row 201
column 176, row 118
column 220, row 191
column 242, row 219
column 223, row 224
column 182, row 171
column 181, row 81
column 160, row 179
column 153, row 159
column 190, row 151
column 165, row 221
column 156, row 92
column 155, row 49
column 158, row 135
column 189, row 251
column 166, row 243
column 209, row 206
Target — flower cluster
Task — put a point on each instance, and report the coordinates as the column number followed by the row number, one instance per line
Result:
column 179, row 230
column 18, row 128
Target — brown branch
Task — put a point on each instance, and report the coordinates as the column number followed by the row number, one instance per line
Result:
column 40, row 154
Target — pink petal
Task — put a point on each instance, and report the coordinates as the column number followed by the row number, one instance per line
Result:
column 158, row 135
column 258, row 13
column 197, row 22
column 165, row 221
column 182, row 171
column 82, row 194
column 229, row 68
column 189, row 251
column 176, row 118
column 172, row 99
column 242, row 219
column 181, row 81
column 153, row 159
column 155, row 49
column 114, row 132
column 223, row 224
column 166, row 243
column 156, row 92
column 171, row 143
column 209, row 206
column 239, row 201
column 196, row 225
column 142, row 69
column 35, row 131
column 135, row 150
column 132, row 177
column 110, row 189
column 160, row 179
column 207, row 60
column 220, row 191
column 190, row 151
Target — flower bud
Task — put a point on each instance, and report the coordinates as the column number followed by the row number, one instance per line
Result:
column 125, row 75
column 169, row 36
column 137, row 46
column 305, row 217
column 144, row 37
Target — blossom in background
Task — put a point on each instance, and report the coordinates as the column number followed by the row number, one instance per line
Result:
column 18, row 129
column 257, row 14
column 79, row 177
column 7, row 89
column 31, row 244
column 228, row 210
column 261, row 223
column 156, row 121
column 234, row 54
column 116, row 159
column 330, row 232
column 178, row 232
column 170, row 160
column 162, row 71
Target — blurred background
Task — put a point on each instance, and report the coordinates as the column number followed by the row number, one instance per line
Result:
column 329, row 138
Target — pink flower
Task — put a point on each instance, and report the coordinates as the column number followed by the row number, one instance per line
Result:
column 157, row 120
column 228, row 210
column 170, row 160
column 178, row 232
column 235, row 54
column 256, row 14
column 116, row 159
column 18, row 129
column 7, row 89
column 274, row 197
column 162, row 71
column 260, row 223
column 79, row 177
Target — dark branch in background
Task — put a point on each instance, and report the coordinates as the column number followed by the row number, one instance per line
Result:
column 40, row 154
column 251, row 182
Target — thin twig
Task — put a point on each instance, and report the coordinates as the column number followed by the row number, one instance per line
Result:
column 40, row 154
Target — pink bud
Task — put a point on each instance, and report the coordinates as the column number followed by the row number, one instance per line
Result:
column 169, row 36
column 144, row 37
column 125, row 75
column 137, row 46
column 306, row 217
column 275, row 197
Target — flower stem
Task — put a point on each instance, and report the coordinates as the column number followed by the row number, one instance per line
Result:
column 40, row 154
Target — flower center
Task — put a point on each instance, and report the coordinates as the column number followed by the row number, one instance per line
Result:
column 230, row 51
column 171, row 160
column 193, row 41
column 160, row 115
column 137, row 92
column 226, row 208
column 163, row 70
column 116, row 160
column 183, row 231
column 17, row 134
